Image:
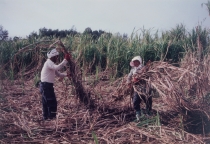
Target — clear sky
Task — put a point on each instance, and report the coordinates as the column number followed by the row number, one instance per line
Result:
column 21, row 17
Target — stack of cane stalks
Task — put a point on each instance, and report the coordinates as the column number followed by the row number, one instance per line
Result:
column 184, row 87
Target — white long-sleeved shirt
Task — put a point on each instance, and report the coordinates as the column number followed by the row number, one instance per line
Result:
column 50, row 70
column 132, row 72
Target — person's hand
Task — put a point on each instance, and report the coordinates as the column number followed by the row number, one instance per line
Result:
column 134, row 80
column 67, row 57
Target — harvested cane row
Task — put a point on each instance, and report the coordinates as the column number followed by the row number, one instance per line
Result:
column 111, row 122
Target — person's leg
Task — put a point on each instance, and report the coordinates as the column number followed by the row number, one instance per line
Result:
column 148, row 102
column 44, row 102
column 136, row 105
column 52, row 104
column 44, row 108
column 52, row 108
column 136, row 101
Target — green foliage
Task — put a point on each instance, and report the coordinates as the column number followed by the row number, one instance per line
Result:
column 207, row 5
column 3, row 33
column 112, row 51
column 145, row 121
column 37, row 79
column 95, row 138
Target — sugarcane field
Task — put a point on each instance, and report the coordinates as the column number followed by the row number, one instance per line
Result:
column 97, row 87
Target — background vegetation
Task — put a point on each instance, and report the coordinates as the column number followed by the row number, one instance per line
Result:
column 99, row 50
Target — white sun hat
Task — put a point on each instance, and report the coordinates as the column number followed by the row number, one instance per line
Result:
column 52, row 53
column 135, row 58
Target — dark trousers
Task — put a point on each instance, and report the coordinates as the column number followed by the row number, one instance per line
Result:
column 49, row 102
column 137, row 100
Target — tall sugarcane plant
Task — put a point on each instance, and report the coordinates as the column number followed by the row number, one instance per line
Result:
column 114, row 51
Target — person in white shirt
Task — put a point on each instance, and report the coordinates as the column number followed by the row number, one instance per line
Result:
column 136, row 64
column 48, row 73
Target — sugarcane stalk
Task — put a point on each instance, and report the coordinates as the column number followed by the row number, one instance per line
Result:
column 82, row 94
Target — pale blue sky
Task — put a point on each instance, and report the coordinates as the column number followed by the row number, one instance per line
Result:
column 21, row 17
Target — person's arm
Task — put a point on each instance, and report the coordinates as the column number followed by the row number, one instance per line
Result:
column 62, row 64
column 62, row 75
column 129, row 78
column 140, row 70
column 59, row 66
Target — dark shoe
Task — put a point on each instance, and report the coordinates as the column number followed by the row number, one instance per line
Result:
column 149, row 113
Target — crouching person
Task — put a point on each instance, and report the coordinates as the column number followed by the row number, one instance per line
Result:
column 136, row 64
column 48, row 73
